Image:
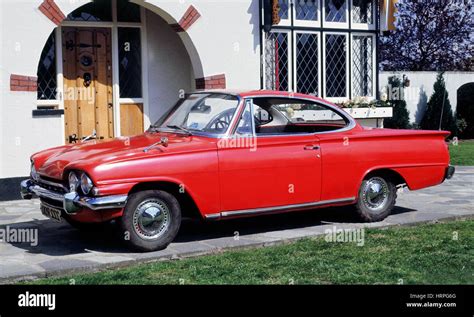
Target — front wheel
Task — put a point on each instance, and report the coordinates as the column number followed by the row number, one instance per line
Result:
column 151, row 220
column 376, row 198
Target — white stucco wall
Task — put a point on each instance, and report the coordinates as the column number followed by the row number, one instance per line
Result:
column 224, row 40
column 169, row 66
column 421, row 88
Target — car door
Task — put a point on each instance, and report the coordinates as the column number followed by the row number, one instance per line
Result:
column 257, row 171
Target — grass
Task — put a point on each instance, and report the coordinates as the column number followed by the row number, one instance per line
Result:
column 463, row 153
column 426, row 254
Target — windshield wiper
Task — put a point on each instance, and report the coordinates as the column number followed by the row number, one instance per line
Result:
column 177, row 127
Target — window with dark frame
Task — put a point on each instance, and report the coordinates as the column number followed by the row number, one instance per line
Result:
column 98, row 10
column 130, row 63
column 362, row 65
column 305, row 62
column 47, row 80
column 336, row 65
column 307, row 66
column 362, row 11
column 276, row 61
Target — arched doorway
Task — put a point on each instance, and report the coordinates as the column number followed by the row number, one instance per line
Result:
column 465, row 110
column 114, row 67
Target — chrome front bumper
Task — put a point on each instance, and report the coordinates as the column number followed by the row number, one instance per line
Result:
column 72, row 202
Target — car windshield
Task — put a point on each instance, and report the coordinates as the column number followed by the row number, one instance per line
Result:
column 208, row 113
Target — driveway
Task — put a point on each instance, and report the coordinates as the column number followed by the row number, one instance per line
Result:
column 62, row 249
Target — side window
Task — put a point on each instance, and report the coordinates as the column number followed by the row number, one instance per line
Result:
column 276, row 116
column 245, row 124
column 310, row 113
column 293, row 116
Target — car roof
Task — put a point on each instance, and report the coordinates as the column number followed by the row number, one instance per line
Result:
column 262, row 92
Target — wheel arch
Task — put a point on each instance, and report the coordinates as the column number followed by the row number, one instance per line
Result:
column 388, row 173
column 187, row 203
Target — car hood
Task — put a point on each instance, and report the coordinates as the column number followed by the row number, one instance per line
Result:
column 89, row 154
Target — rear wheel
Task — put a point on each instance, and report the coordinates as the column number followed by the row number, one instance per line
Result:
column 376, row 199
column 151, row 220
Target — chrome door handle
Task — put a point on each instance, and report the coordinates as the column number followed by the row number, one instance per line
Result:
column 311, row 147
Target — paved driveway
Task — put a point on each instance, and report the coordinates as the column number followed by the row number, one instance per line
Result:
column 62, row 249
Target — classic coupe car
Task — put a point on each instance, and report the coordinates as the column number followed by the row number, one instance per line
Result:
column 223, row 154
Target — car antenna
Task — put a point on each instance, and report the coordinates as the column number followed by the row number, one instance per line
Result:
column 163, row 141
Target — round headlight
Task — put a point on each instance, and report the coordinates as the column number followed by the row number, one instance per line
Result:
column 34, row 175
column 73, row 182
column 86, row 184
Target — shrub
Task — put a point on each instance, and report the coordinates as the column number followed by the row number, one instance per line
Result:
column 434, row 109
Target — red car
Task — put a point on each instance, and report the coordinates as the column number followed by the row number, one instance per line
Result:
column 222, row 154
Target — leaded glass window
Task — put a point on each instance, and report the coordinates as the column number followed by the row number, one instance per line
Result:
column 130, row 63
column 127, row 11
column 336, row 65
column 335, row 10
column 47, row 70
column 362, row 66
column 306, row 10
column 307, row 68
column 362, row 11
column 284, row 9
column 276, row 61
column 98, row 10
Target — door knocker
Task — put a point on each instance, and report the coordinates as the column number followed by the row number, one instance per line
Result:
column 87, row 79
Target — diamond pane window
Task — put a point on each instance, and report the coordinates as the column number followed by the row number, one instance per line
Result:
column 127, row 11
column 362, row 11
column 47, row 71
column 335, row 65
column 284, row 9
column 98, row 10
column 306, row 10
column 130, row 65
column 276, row 61
column 336, row 10
column 362, row 66
column 307, row 72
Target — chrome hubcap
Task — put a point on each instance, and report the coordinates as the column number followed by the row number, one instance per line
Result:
column 375, row 194
column 151, row 219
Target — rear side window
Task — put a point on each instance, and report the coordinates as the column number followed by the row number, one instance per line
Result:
column 274, row 116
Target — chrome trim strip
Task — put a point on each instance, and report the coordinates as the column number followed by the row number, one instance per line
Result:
column 49, row 183
column 225, row 214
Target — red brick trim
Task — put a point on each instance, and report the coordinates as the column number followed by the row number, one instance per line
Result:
column 51, row 10
column 23, row 83
column 190, row 16
column 211, row 82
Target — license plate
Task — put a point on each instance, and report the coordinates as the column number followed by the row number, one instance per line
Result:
column 51, row 212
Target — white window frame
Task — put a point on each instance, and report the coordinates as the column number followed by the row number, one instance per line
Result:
column 295, row 47
column 336, row 25
column 307, row 23
column 116, row 100
column 336, row 99
column 289, row 54
column 364, row 26
column 373, row 63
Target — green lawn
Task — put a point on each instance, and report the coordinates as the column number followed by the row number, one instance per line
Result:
column 426, row 254
column 463, row 153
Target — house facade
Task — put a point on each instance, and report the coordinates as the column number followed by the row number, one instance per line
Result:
column 69, row 68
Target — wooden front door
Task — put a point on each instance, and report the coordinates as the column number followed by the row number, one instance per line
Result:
column 87, row 69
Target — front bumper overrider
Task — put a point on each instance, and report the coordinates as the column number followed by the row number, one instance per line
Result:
column 72, row 202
